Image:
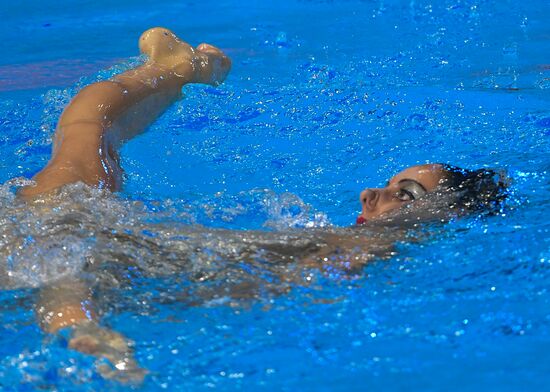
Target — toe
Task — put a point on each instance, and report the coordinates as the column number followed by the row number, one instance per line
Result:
column 207, row 48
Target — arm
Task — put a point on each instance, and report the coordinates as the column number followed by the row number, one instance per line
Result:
column 105, row 114
column 349, row 252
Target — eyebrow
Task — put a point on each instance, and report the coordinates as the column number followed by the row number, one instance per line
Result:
column 416, row 182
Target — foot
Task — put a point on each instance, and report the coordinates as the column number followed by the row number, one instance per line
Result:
column 115, row 357
column 203, row 64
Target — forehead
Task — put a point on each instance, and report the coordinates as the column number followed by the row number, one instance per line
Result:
column 429, row 176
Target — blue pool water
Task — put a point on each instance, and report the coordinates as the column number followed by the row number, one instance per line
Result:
column 324, row 99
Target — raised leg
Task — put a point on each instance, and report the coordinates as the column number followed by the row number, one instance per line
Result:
column 105, row 114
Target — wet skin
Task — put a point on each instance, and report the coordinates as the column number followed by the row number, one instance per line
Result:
column 402, row 189
column 104, row 115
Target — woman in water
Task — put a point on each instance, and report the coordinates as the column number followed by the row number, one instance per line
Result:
column 104, row 115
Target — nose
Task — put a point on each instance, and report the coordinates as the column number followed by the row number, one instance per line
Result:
column 369, row 198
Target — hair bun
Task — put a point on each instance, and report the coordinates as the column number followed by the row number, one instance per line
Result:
column 481, row 189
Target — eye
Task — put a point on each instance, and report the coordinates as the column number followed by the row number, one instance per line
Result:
column 405, row 195
column 410, row 190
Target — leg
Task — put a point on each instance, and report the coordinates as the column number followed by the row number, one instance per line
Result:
column 105, row 114
column 91, row 128
column 68, row 304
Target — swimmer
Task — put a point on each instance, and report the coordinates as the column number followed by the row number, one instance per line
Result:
column 104, row 115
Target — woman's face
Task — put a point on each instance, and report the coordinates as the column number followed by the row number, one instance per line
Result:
column 403, row 188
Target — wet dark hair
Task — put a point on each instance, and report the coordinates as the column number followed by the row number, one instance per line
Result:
column 476, row 190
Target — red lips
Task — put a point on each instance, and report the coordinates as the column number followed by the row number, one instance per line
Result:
column 360, row 220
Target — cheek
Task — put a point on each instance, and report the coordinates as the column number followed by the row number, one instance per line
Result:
column 389, row 205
